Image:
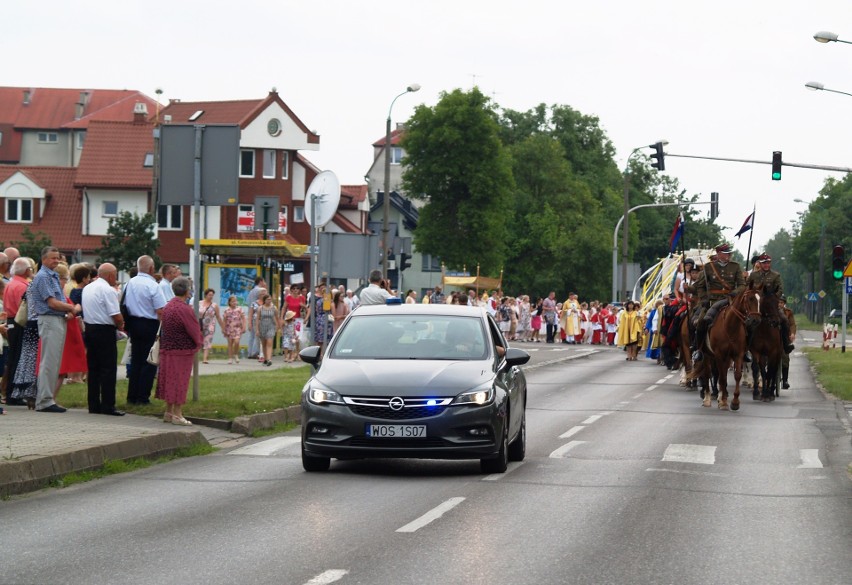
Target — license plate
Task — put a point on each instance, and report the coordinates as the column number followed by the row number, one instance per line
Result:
column 396, row 431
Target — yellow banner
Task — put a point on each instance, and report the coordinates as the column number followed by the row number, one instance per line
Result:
column 294, row 250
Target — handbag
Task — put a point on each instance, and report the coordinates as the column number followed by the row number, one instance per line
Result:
column 21, row 316
column 154, row 353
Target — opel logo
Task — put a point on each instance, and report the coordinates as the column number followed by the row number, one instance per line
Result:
column 396, row 403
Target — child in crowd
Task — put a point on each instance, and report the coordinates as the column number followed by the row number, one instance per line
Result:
column 289, row 337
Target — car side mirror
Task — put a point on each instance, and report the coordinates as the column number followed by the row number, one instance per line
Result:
column 310, row 355
column 516, row 357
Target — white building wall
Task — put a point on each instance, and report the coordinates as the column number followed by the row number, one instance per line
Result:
column 93, row 207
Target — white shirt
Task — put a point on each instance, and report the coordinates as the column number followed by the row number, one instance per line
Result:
column 166, row 287
column 374, row 295
column 143, row 296
column 101, row 303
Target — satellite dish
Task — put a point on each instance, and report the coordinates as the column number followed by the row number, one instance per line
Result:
column 325, row 191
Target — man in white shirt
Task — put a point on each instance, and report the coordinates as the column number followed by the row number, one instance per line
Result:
column 103, row 319
column 376, row 293
column 144, row 301
column 351, row 300
column 169, row 273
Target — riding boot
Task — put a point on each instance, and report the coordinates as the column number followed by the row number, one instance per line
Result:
column 700, row 334
column 785, row 371
column 785, row 335
column 749, row 336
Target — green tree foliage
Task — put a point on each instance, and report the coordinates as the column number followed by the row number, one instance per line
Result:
column 129, row 236
column 456, row 162
column 32, row 244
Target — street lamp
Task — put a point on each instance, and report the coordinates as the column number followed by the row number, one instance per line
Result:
column 386, row 202
column 821, row 249
column 829, row 37
column 817, row 86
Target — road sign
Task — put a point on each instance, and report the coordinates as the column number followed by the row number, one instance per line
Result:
column 849, row 285
column 822, row 294
column 812, row 297
column 848, row 270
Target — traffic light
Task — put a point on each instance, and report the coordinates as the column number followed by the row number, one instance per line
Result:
column 404, row 261
column 776, row 165
column 838, row 262
column 658, row 156
column 714, row 205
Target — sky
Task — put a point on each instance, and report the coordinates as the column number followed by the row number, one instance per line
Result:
column 715, row 79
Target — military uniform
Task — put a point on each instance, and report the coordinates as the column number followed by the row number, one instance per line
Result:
column 718, row 283
column 770, row 282
column 785, row 359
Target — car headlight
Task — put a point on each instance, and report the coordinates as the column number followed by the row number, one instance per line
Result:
column 319, row 394
column 477, row 397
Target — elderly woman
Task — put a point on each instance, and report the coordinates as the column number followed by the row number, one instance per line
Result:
column 180, row 340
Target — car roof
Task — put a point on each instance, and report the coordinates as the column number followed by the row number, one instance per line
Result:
column 421, row 309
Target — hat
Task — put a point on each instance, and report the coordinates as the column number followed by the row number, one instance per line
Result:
column 783, row 298
column 724, row 249
column 689, row 261
column 764, row 258
column 289, row 315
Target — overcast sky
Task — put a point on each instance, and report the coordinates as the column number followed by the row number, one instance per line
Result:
column 723, row 78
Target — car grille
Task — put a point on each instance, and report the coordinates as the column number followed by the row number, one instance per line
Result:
column 413, row 408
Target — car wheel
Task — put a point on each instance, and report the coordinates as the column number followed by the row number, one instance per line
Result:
column 315, row 463
column 518, row 448
column 500, row 463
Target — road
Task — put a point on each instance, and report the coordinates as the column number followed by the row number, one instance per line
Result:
column 627, row 480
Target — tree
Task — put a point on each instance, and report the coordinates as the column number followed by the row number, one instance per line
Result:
column 32, row 244
column 456, row 162
column 129, row 236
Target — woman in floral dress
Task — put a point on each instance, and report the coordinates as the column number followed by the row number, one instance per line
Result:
column 208, row 313
column 235, row 325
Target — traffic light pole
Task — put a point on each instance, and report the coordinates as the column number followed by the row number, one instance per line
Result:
column 765, row 162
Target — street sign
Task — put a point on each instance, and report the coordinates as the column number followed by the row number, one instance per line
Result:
column 812, row 297
column 822, row 294
column 848, row 270
column 849, row 285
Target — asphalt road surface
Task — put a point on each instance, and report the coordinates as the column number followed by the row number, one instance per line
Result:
column 627, row 479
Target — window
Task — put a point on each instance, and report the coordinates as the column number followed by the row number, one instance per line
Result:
column 80, row 139
column 110, row 209
column 299, row 214
column 19, row 210
column 246, row 163
column 285, row 165
column 48, row 137
column 169, row 217
column 268, row 164
column 396, row 155
column 149, row 160
column 430, row 263
column 1, row 139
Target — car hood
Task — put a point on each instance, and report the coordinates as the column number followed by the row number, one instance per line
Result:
column 403, row 377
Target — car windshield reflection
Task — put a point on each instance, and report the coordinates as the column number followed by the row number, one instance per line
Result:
column 419, row 337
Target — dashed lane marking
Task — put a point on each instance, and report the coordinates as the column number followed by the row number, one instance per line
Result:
column 649, row 388
column 563, row 450
column 571, row 432
column 431, row 515
column 329, row 576
column 591, row 419
column 810, row 459
column 703, row 454
column 637, row 396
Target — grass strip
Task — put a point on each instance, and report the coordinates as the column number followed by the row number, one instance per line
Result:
column 833, row 370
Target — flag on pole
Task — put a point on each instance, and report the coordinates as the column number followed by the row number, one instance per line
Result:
column 747, row 225
column 677, row 233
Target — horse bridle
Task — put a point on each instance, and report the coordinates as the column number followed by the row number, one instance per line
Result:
column 744, row 315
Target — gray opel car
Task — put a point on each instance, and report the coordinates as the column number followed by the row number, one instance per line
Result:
column 415, row 381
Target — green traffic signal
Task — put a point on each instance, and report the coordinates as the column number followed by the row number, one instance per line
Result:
column 776, row 165
column 838, row 262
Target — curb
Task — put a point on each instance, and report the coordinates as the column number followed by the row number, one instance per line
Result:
column 246, row 425
column 33, row 473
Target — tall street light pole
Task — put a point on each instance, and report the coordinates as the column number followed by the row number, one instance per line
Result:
column 386, row 201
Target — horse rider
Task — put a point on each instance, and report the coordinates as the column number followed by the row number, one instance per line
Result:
column 766, row 279
column 684, row 290
column 785, row 359
column 718, row 284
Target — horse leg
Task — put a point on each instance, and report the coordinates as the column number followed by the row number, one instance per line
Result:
column 738, row 374
column 722, row 369
column 705, row 389
column 755, row 373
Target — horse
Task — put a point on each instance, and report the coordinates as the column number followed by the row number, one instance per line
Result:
column 767, row 349
column 726, row 343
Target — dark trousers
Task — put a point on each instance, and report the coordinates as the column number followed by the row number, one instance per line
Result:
column 101, row 357
column 140, row 381
column 15, row 337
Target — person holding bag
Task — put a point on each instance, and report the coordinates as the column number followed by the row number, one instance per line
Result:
column 180, row 340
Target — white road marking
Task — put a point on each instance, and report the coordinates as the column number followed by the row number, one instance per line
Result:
column 267, row 447
column 623, row 403
column 561, row 451
column 662, row 381
column 703, row 454
column 606, row 412
column 649, row 388
column 637, row 396
column 495, row 476
column 329, row 576
column 571, row 432
column 687, row 472
column 810, row 459
column 591, row 419
column 431, row 515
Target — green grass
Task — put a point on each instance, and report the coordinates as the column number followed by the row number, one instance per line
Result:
column 833, row 370
column 111, row 467
column 805, row 324
column 220, row 396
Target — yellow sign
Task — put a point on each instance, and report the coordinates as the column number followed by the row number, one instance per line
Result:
column 294, row 250
column 848, row 270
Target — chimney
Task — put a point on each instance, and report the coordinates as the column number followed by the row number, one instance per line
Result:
column 81, row 104
column 140, row 113
column 27, row 97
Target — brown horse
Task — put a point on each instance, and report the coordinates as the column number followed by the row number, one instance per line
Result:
column 726, row 343
column 767, row 349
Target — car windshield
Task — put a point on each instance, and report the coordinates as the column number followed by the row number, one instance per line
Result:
column 400, row 336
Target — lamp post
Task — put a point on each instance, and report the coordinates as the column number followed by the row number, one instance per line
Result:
column 386, row 201
column 817, row 86
column 829, row 37
column 819, row 309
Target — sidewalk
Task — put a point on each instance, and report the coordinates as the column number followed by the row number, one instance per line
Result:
column 36, row 447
